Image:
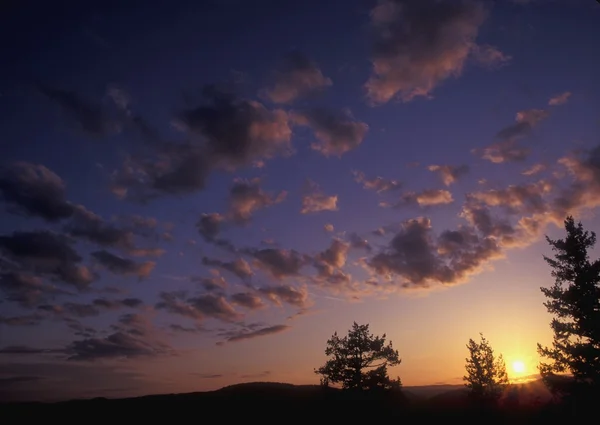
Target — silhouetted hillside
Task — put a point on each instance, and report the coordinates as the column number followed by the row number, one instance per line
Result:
column 272, row 402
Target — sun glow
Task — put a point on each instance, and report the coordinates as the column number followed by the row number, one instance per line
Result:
column 518, row 367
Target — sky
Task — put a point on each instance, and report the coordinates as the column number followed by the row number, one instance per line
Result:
column 197, row 194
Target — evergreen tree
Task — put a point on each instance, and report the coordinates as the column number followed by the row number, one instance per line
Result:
column 359, row 361
column 486, row 376
column 574, row 300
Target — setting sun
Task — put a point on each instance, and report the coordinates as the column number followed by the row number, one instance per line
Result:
column 518, row 366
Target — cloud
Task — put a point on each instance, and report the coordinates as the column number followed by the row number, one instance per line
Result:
column 246, row 197
column 534, row 169
column 330, row 263
column 243, row 335
column 25, row 320
column 426, row 198
column 296, row 77
column 48, row 253
column 560, row 99
column 336, row 134
column 376, row 184
column 415, row 257
column 123, row 266
column 90, row 118
column 26, row 289
column 198, row 308
column 212, row 284
column 314, row 200
column 449, row 173
column 95, row 308
column 86, row 224
column 209, row 226
column 506, row 147
column 328, row 227
column 490, row 56
column 134, row 337
column 247, row 300
column 224, row 133
column 35, row 191
column 279, row 263
column 517, row 199
column 420, row 44
column 297, row 297
column 238, row 267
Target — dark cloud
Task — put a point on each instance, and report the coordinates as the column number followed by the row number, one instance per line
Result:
column 287, row 294
column 359, row 242
column 330, row 263
column 419, row 44
column 415, row 257
column 134, row 336
column 336, row 134
column 26, row 320
column 23, row 349
column 280, row 263
column 26, row 289
column 243, row 335
column 89, row 117
column 198, row 308
column 123, row 266
column 449, row 173
column 212, row 284
column 506, row 148
column 34, row 190
column 376, row 184
column 47, row 253
column 85, row 224
column 225, row 133
column 95, row 308
column 296, row 77
column 246, row 197
column 247, row 300
column 315, row 200
column 209, row 226
column 238, row 267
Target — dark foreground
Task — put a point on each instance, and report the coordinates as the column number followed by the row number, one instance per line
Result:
column 282, row 403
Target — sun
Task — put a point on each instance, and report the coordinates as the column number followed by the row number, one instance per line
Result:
column 518, row 366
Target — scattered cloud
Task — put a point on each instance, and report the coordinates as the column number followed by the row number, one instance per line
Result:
column 225, row 133
column 246, row 197
column 376, row 184
column 419, row 45
column 123, row 266
column 296, row 77
column 449, row 173
column 560, row 99
column 314, row 200
column 506, row 147
column 243, row 335
column 336, row 134
column 426, row 198
column 534, row 169
column 34, row 190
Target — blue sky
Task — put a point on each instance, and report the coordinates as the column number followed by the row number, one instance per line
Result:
column 200, row 193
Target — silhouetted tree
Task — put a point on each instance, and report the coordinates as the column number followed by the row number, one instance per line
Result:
column 359, row 361
column 574, row 300
column 486, row 376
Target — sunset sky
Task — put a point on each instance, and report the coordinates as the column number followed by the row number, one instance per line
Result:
column 196, row 194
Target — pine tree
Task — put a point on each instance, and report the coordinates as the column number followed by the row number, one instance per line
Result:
column 359, row 361
column 486, row 376
column 574, row 300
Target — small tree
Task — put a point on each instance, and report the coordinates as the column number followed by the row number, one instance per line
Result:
column 359, row 361
column 574, row 300
column 486, row 376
